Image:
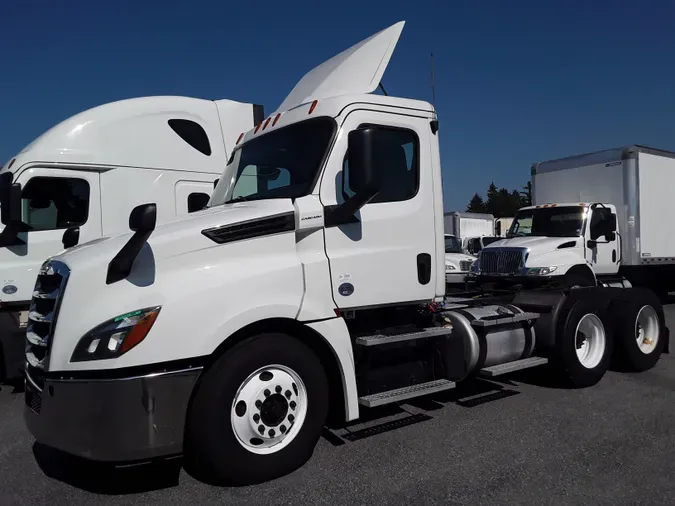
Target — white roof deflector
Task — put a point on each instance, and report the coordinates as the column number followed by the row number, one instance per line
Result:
column 356, row 70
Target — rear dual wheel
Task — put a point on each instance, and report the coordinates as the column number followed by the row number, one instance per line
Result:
column 258, row 412
column 639, row 329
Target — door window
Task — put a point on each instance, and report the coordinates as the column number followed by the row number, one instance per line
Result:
column 398, row 161
column 52, row 203
column 197, row 201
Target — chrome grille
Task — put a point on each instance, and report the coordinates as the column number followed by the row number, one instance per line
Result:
column 44, row 307
column 465, row 265
column 502, row 261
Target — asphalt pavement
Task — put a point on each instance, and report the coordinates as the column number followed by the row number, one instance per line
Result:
column 522, row 440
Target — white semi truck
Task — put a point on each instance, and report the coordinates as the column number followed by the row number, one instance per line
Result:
column 597, row 218
column 235, row 333
column 79, row 180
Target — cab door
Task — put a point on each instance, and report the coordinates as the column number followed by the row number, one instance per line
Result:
column 52, row 200
column 603, row 249
column 386, row 254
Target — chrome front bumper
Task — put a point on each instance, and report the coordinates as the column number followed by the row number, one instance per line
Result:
column 115, row 420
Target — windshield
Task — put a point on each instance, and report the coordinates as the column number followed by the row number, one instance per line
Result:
column 452, row 244
column 548, row 222
column 280, row 164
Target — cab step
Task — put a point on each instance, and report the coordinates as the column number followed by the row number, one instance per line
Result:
column 517, row 365
column 379, row 339
column 401, row 394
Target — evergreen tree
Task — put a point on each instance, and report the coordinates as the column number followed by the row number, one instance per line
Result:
column 476, row 205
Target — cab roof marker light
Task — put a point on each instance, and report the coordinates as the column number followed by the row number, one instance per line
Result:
column 11, row 163
column 313, row 106
column 267, row 122
column 257, row 127
column 276, row 118
column 241, row 136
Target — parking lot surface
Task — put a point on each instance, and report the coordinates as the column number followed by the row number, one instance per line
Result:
column 522, row 440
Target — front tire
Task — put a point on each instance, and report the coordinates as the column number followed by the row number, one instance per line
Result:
column 258, row 412
column 584, row 344
column 639, row 329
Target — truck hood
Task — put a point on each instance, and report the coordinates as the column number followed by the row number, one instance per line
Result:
column 536, row 245
column 177, row 238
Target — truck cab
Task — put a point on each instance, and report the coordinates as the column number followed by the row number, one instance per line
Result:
column 457, row 263
column 79, row 181
column 575, row 243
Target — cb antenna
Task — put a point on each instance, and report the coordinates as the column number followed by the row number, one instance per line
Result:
column 433, row 84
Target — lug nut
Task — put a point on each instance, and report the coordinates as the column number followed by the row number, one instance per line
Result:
column 261, row 429
column 267, row 392
column 291, row 418
column 272, row 432
column 282, row 429
column 288, row 394
column 258, row 404
column 292, row 405
column 256, row 418
column 278, row 389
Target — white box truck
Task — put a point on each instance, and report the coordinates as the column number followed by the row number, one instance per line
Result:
column 233, row 335
column 79, row 180
column 597, row 218
column 469, row 225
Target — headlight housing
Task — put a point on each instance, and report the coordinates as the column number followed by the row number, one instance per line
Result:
column 540, row 271
column 449, row 267
column 115, row 337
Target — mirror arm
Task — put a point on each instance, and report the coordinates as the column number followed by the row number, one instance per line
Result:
column 345, row 213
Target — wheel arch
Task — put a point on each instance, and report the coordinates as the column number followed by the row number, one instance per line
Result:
column 310, row 338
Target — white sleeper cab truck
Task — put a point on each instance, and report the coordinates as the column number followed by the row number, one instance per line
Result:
column 235, row 334
column 79, row 180
column 598, row 219
column 457, row 263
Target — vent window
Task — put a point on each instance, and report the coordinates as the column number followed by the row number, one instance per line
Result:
column 192, row 133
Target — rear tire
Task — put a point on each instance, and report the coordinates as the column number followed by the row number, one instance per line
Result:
column 584, row 344
column 258, row 412
column 639, row 329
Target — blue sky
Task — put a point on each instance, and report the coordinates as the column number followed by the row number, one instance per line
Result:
column 516, row 81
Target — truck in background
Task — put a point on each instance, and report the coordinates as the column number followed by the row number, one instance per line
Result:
column 78, row 182
column 279, row 302
column 457, row 262
column 468, row 225
column 597, row 218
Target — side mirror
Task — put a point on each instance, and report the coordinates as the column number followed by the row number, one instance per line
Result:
column 10, row 204
column 215, row 183
column 142, row 221
column 612, row 223
column 71, row 237
column 143, row 218
column 362, row 164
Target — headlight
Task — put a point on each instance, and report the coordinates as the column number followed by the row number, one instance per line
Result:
column 540, row 271
column 115, row 337
column 449, row 267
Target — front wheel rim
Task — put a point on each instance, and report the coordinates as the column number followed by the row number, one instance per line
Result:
column 269, row 409
column 590, row 340
column 647, row 329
